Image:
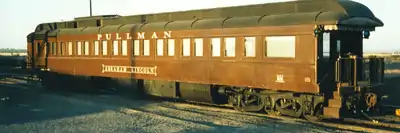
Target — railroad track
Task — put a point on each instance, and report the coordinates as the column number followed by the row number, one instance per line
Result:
column 366, row 122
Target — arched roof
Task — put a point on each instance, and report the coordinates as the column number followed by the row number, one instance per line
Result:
column 323, row 12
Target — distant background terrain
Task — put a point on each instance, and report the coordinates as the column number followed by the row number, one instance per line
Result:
column 12, row 51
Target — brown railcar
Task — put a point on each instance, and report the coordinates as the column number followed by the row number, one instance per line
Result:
column 288, row 57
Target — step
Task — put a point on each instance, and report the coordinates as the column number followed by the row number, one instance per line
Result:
column 332, row 112
column 336, row 103
column 336, row 95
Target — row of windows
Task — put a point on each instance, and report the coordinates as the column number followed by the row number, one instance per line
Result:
column 82, row 48
column 280, row 46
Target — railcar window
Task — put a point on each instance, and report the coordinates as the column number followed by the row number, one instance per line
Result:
column 115, row 48
column 281, row 46
column 86, row 48
column 198, row 43
column 96, row 47
column 38, row 48
column 230, row 47
column 61, row 48
column 326, row 45
column 216, row 47
column 146, row 47
column 69, row 48
column 250, row 46
column 160, row 47
column 53, row 48
column 124, row 47
column 186, row 47
column 79, row 47
column 104, row 47
column 136, row 47
column 171, row 47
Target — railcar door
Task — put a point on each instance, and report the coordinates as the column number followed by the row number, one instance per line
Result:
column 333, row 45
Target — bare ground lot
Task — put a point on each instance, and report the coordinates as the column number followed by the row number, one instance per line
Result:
column 32, row 109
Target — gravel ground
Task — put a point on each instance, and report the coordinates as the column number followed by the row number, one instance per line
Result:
column 31, row 109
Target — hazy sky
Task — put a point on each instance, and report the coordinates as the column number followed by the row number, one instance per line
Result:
column 20, row 17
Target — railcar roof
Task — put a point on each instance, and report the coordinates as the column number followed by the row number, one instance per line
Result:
column 330, row 12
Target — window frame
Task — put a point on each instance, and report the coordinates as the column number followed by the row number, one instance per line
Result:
column 265, row 48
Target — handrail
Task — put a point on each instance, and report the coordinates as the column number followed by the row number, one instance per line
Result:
column 373, row 67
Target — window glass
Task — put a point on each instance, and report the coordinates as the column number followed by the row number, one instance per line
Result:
column 198, row 43
column 186, row 47
column 216, row 46
column 160, row 47
column 146, row 47
column 230, row 47
column 96, row 47
column 171, row 47
column 69, row 48
column 86, row 48
column 281, row 46
column 115, row 48
column 136, row 48
column 250, row 46
column 61, row 48
column 124, row 47
column 79, row 47
column 104, row 47
column 326, row 45
column 53, row 48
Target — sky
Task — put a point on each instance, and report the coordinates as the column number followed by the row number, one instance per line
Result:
column 20, row 17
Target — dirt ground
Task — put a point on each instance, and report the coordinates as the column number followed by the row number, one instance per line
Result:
column 33, row 109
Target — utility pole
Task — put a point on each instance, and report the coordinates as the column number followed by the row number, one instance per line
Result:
column 90, row 2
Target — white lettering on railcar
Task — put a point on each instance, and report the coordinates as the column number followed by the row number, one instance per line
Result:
column 108, row 36
column 127, row 36
column 117, row 36
column 129, row 69
column 279, row 78
column 140, row 35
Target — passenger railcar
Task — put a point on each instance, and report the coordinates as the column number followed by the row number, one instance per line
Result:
column 298, row 58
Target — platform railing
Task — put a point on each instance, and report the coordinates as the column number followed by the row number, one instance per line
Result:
column 354, row 71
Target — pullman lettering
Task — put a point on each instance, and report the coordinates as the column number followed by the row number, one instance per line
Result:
column 128, row 36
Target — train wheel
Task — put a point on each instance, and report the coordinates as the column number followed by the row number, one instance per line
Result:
column 270, row 110
column 316, row 115
column 242, row 101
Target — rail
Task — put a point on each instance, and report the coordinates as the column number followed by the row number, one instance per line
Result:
column 354, row 71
